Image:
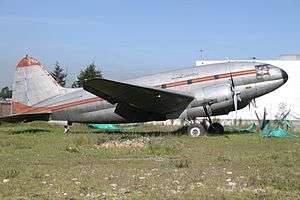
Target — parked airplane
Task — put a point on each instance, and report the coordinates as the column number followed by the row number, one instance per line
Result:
column 204, row 91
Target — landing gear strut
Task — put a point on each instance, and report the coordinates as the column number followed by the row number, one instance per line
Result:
column 215, row 128
column 67, row 127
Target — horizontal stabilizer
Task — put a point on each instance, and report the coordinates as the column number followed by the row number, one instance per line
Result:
column 26, row 117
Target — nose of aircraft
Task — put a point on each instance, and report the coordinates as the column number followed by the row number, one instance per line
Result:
column 284, row 75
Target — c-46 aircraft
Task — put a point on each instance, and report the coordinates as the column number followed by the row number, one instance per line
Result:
column 205, row 91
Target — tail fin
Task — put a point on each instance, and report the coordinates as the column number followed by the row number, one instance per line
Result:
column 32, row 85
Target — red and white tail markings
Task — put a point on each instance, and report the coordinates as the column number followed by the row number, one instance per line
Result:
column 28, row 61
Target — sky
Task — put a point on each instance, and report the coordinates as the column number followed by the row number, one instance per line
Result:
column 129, row 38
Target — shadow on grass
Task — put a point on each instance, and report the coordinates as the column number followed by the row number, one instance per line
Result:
column 138, row 133
column 128, row 133
column 226, row 134
column 30, row 130
column 177, row 132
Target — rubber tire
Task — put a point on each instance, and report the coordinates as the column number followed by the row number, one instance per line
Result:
column 216, row 128
column 196, row 130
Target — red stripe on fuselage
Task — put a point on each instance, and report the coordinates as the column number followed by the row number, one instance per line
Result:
column 210, row 78
column 22, row 108
column 174, row 84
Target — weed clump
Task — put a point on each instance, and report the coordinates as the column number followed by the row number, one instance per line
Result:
column 71, row 149
column 82, row 140
column 101, row 140
column 181, row 163
column 223, row 159
column 12, row 173
column 159, row 149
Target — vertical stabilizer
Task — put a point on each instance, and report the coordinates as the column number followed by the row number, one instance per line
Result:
column 32, row 85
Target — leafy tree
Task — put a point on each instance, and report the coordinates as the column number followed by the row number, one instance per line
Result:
column 5, row 93
column 59, row 75
column 88, row 73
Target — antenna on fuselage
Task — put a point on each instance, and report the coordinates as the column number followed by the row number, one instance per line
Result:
column 201, row 55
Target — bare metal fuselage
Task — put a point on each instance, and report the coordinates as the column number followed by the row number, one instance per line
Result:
column 210, row 85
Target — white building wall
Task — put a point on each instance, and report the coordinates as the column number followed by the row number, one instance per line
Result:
column 288, row 94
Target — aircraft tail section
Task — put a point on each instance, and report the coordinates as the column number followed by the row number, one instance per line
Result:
column 32, row 85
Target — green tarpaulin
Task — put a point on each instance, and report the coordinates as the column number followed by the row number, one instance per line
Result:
column 105, row 127
column 249, row 129
column 269, row 131
column 279, row 128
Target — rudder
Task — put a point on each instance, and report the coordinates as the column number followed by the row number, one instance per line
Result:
column 32, row 85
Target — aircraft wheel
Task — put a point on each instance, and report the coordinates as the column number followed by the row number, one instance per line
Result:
column 216, row 128
column 196, row 130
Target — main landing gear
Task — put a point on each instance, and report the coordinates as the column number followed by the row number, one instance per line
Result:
column 216, row 128
column 196, row 129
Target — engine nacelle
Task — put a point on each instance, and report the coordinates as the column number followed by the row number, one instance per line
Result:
column 213, row 94
column 218, row 100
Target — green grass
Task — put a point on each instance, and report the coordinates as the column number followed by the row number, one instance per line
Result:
column 38, row 161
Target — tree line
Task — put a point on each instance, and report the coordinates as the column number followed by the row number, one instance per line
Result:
column 88, row 72
column 60, row 75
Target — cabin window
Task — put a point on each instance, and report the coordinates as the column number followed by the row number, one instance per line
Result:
column 163, row 86
column 189, row 81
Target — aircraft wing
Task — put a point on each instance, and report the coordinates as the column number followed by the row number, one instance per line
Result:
column 26, row 117
column 143, row 98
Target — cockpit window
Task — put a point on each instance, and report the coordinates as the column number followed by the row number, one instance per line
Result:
column 262, row 70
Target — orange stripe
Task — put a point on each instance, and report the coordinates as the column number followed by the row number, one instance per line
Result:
column 203, row 79
column 209, row 78
column 77, row 103
column 22, row 108
column 176, row 83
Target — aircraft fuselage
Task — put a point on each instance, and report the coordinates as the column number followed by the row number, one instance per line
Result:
column 211, row 85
